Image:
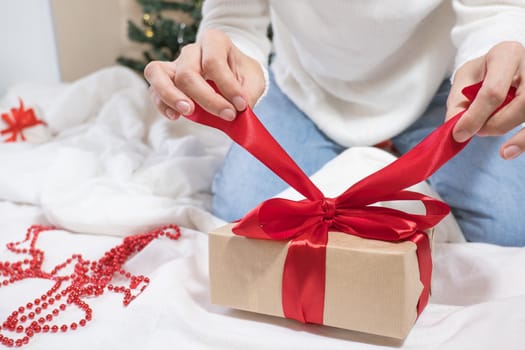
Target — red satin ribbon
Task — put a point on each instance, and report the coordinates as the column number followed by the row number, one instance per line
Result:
column 20, row 119
column 306, row 223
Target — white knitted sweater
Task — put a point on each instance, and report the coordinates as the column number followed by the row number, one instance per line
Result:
column 364, row 70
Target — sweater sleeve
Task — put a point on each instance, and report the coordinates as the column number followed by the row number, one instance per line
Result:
column 481, row 24
column 245, row 22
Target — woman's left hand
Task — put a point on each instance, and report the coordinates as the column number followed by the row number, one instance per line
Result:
column 502, row 67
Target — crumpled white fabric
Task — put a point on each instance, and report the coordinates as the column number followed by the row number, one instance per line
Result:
column 113, row 165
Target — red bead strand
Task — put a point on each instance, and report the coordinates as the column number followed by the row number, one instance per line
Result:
column 89, row 279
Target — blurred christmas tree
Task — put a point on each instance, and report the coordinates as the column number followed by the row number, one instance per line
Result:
column 164, row 36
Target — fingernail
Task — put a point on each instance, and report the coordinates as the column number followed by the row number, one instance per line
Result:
column 239, row 103
column 183, row 107
column 170, row 113
column 511, row 152
column 227, row 114
column 462, row 136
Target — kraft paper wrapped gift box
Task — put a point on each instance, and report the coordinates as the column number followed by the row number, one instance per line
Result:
column 371, row 286
column 373, row 278
column 282, row 258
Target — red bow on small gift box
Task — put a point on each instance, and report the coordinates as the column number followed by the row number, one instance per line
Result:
column 306, row 222
column 20, row 119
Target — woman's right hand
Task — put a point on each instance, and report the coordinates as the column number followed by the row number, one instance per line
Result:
column 174, row 86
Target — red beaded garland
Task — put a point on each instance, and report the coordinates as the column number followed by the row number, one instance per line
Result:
column 89, row 279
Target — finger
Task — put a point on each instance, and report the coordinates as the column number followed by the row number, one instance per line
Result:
column 500, row 72
column 507, row 118
column 514, row 146
column 218, row 61
column 189, row 80
column 160, row 76
column 468, row 74
column 163, row 108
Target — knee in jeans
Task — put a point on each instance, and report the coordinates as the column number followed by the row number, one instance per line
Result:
column 241, row 184
column 502, row 226
column 226, row 203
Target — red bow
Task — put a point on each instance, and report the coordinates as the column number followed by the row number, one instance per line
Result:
column 307, row 222
column 19, row 119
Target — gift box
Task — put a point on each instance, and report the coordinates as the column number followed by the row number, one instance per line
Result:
column 22, row 123
column 341, row 261
column 372, row 286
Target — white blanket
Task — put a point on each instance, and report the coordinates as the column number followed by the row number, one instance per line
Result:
column 108, row 165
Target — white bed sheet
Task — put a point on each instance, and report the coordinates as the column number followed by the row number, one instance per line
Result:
column 109, row 166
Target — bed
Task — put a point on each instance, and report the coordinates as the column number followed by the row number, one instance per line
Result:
column 107, row 165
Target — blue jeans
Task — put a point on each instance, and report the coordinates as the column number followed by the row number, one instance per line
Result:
column 483, row 190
